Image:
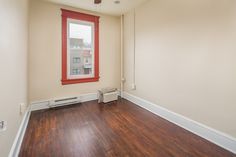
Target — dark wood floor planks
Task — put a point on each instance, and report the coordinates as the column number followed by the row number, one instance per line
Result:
column 106, row 130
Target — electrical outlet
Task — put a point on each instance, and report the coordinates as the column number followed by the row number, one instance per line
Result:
column 133, row 86
column 22, row 108
column 3, row 125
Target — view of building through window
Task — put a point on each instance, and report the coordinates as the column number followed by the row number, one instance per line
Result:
column 80, row 49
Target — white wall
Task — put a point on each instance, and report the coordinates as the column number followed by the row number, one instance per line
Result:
column 13, row 69
column 45, row 53
column 185, row 58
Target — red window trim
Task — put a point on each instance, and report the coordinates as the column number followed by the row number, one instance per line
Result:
column 85, row 17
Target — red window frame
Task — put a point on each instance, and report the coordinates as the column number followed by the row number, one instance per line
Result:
column 84, row 17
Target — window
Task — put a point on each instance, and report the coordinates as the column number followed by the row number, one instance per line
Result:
column 75, row 71
column 80, row 46
column 76, row 59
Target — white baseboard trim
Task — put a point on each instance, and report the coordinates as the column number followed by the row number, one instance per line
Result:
column 15, row 149
column 39, row 105
column 88, row 97
column 221, row 139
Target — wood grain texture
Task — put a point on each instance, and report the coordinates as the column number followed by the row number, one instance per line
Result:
column 119, row 129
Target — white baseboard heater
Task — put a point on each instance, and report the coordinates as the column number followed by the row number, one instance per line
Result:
column 108, row 97
column 64, row 101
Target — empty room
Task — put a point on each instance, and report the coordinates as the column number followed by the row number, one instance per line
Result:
column 118, row 78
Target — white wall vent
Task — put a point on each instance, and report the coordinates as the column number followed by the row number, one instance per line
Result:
column 64, row 101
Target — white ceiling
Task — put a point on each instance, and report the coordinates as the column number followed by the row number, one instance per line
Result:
column 107, row 6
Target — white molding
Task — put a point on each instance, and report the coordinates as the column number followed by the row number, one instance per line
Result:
column 15, row 149
column 88, row 97
column 39, row 105
column 221, row 139
column 34, row 106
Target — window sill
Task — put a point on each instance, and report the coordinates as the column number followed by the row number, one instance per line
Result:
column 76, row 81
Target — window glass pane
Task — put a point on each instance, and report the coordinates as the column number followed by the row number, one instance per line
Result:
column 83, row 32
column 80, row 52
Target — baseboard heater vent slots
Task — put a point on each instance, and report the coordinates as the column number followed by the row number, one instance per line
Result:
column 64, row 101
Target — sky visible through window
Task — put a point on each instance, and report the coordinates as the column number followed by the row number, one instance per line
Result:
column 81, row 32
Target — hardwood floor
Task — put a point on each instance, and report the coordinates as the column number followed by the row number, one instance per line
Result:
column 116, row 129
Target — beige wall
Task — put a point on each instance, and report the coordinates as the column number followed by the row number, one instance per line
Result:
column 185, row 58
column 13, row 69
column 45, row 53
